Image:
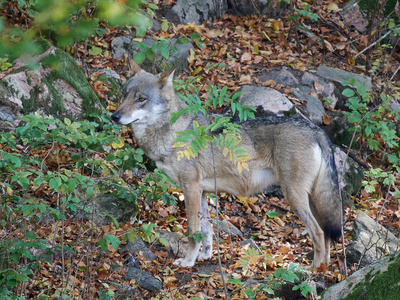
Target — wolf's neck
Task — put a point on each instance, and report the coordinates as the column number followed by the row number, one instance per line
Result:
column 157, row 140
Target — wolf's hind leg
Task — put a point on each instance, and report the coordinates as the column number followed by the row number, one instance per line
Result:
column 206, row 229
column 299, row 202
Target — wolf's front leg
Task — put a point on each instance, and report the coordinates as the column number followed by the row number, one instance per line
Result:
column 192, row 192
column 206, row 229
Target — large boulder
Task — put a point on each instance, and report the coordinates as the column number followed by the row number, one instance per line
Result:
column 377, row 281
column 371, row 241
column 51, row 83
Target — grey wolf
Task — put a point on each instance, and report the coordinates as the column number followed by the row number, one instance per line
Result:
column 292, row 152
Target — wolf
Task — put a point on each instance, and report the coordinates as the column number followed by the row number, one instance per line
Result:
column 292, row 152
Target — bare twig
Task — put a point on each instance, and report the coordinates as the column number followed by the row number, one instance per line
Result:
column 374, row 43
column 217, row 213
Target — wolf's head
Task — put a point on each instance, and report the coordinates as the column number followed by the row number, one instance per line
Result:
column 147, row 98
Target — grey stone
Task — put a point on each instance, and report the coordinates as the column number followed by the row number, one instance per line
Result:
column 313, row 108
column 177, row 242
column 339, row 76
column 283, row 76
column 143, row 279
column 370, row 241
column 139, row 246
column 246, row 7
column 198, row 11
column 268, row 99
column 227, row 227
column 120, row 45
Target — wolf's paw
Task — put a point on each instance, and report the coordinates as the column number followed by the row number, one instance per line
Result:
column 183, row 262
column 204, row 255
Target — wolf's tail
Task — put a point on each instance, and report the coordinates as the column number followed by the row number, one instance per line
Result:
column 326, row 197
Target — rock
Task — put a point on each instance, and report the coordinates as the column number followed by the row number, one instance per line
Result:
column 57, row 86
column 178, row 51
column 246, row 7
column 323, row 88
column 103, row 206
column 227, row 227
column 339, row 76
column 197, row 11
column 371, row 241
column 124, row 291
column 138, row 245
column 120, row 46
column 313, row 109
column 143, row 279
column 380, row 280
column 177, row 242
column 270, row 100
column 283, row 76
column 353, row 16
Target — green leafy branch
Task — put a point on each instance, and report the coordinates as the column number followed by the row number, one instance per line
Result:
column 224, row 133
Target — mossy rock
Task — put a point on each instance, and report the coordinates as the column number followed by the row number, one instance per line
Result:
column 377, row 281
column 103, row 206
column 51, row 83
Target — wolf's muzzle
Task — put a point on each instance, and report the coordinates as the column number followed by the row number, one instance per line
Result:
column 116, row 116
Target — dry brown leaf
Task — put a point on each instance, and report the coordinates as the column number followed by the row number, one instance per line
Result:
column 326, row 119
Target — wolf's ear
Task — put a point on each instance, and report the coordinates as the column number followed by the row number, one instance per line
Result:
column 166, row 79
column 133, row 67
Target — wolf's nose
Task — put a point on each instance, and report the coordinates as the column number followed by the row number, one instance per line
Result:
column 116, row 117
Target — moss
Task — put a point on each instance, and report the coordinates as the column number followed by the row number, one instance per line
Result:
column 57, row 105
column 65, row 67
column 379, row 286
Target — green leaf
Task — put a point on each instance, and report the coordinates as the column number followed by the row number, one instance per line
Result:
column 272, row 214
column 164, row 26
column 361, row 90
column 348, row 93
column 164, row 242
column 55, row 183
column 235, row 281
column 107, row 240
column 139, row 57
column 164, row 52
column 95, row 51
column 198, row 236
column 89, row 191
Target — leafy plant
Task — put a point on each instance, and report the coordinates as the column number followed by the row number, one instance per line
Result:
column 276, row 280
column 224, row 133
column 93, row 151
column 371, row 123
column 159, row 51
column 66, row 22
column 378, row 127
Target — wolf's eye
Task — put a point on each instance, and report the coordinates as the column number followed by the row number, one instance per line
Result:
column 141, row 99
